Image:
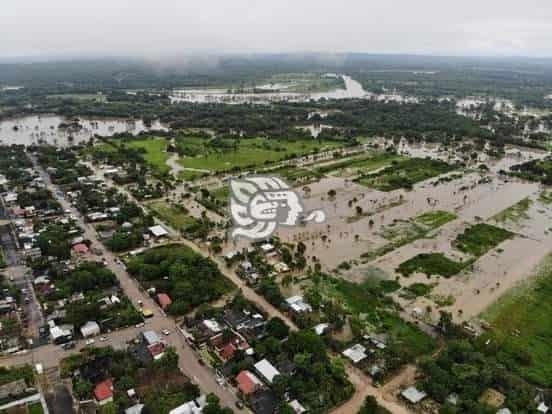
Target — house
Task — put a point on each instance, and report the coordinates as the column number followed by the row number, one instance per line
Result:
column 212, row 326
column 60, row 334
column 379, row 341
column 281, row 267
column 103, row 392
column 97, row 216
column 356, row 353
column 90, row 328
column 246, row 266
column 266, row 370
column 413, row 395
column 298, row 305
column 267, row 247
column 248, row 383
column 158, row 231
column 156, row 350
column 80, row 248
column 230, row 255
column 150, row 337
column 226, row 347
column 191, row 407
column 164, row 300
column 10, row 198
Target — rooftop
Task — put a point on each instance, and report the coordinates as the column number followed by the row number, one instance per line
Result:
column 267, row 370
column 104, row 390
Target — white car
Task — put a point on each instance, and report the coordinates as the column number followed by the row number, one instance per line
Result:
column 103, row 338
column 140, row 325
column 90, row 342
column 166, row 332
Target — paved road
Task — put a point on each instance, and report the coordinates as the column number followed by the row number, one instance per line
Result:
column 51, row 355
column 202, row 375
column 362, row 383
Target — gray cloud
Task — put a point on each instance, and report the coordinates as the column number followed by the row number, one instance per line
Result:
column 173, row 27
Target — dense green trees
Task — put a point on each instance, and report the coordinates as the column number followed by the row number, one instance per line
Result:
column 187, row 277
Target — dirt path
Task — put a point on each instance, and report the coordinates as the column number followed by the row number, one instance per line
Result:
column 364, row 387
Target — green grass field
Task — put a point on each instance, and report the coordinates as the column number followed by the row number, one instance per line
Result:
column 480, row 238
column 364, row 299
column 247, row 153
column 435, row 219
column 297, row 175
column 522, row 328
column 176, row 218
column 404, row 174
column 515, row 213
column 360, row 165
column 431, row 264
column 155, row 155
column 402, row 233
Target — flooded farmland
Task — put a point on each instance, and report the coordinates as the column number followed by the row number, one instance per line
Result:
column 57, row 130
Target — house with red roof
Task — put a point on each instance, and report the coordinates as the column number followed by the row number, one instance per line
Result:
column 103, row 392
column 164, row 300
column 80, row 248
column 226, row 345
column 248, row 383
column 156, row 350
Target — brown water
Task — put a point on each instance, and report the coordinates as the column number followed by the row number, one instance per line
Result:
column 37, row 129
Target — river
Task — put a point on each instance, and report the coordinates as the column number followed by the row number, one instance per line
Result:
column 353, row 89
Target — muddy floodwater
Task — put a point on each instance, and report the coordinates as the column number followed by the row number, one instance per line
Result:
column 49, row 129
column 473, row 196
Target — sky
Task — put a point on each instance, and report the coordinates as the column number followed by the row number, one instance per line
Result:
column 156, row 28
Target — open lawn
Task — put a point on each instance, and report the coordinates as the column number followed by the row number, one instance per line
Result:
column 431, row 264
column 175, row 216
column 360, row 165
column 521, row 334
column 480, row 238
column 405, row 173
column 233, row 155
column 155, row 152
column 366, row 300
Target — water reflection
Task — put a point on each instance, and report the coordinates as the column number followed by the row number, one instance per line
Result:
column 57, row 130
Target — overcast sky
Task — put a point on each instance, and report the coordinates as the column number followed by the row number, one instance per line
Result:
column 175, row 27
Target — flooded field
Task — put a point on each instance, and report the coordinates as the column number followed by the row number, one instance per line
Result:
column 371, row 232
column 56, row 130
column 353, row 89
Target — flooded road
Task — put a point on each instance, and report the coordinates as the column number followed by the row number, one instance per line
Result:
column 57, row 130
